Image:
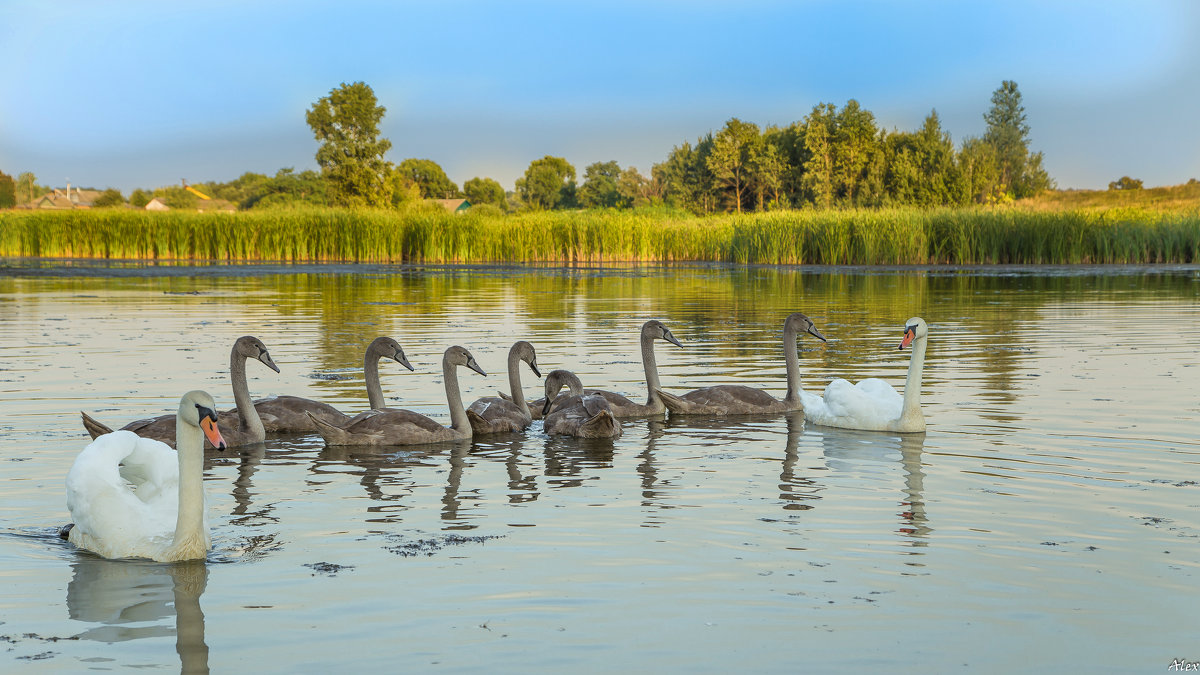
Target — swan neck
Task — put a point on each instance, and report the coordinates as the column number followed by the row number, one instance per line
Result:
column 189, row 522
column 458, row 414
column 374, row 388
column 791, row 357
column 251, row 423
column 912, row 383
column 514, row 382
column 651, row 366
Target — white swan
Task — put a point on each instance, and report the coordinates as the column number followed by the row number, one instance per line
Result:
column 133, row 497
column 874, row 405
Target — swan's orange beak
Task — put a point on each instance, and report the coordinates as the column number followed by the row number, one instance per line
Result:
column 910, row 332
column 212, row 433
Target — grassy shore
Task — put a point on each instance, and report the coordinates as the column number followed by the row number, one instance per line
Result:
column 1015, row 234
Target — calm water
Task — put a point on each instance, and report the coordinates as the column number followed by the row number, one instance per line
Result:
column 1050, row 517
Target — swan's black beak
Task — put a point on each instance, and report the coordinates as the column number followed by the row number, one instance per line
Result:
column 812, row 330
column 403, row 360
column 475, row 367
column 266, row 359
column 546, row 408
column 533, row 367
column 671, row 338
column 910, row 332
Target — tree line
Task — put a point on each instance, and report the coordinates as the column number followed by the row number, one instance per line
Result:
column 832, row 158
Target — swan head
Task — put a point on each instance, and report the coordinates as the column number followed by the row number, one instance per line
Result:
column 459, row 356
column 524, row 351
column 253, row 348
column 801, row 323
column 556, row 380
column 197, row 409
column 655, row 329
column 387, row 348
column 914, row 329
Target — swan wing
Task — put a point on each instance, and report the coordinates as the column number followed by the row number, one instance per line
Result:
column 870, row 404
column 115, row 516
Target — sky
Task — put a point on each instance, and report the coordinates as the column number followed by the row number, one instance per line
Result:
column 145, row 94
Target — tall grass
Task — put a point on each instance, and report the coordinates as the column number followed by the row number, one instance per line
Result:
column 877, row 237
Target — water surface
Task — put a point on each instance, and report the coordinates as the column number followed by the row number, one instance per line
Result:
column 1047, row 519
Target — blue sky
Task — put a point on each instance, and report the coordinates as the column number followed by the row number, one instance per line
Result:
column 143, row 94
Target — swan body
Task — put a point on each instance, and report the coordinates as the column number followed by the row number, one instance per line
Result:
column 404, row 427
column 243, row 426
column 873, row 404
column 493, row 414
column 290, row 414
column 134, row 497
column 576, row 413
column 621, row 406
column 736, row 399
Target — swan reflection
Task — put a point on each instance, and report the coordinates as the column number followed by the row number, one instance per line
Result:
column 131, row 599
column 868, row 452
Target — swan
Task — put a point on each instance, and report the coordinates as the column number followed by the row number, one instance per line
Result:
column 873, row 405
column 736, row 399
column 290, row 414
column 243, row 426
column 404, row 427
column 622, row 407
column 134, row 497
column 493, row 414
column 577, row 413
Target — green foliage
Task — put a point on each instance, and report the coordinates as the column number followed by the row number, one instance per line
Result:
column 685, row 179
column 176, row 197
column 139, row 198
column 549, row 183
column 8, row 191
column 429, row 177
column 27, row 188
column 109, row 198
column 635, row 189
column 1126, row 183
column 346, row 122
column 1020, row 174
column 600, row 189
column 481, row 191
column 421, row 234
column 731, row 160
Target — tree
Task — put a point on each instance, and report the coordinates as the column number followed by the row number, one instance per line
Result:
column 8, row 191
column 1008, row 133
column 109, row 198
column 484, row 191
column 28, row 189
column 854, row 142
column 817, row 181
column 730, row 160
column 684, row 178
column 429, row 177
column 177, row 197
column 346, row 122
column 767, row 167
column 549, row 183
column 635, row 189
column 980, row 171
column 139, row 198
column 1125, row 183
column 599, row 189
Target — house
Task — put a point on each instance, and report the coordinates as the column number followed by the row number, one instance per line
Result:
column 157, row 204
column 66, row 198
column 453, row 205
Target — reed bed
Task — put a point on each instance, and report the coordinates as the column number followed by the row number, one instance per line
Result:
column 863, row 237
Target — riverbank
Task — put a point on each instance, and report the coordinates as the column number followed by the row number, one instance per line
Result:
column 975, row 236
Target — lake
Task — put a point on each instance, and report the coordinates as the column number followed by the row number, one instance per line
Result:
column 1048, row 519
